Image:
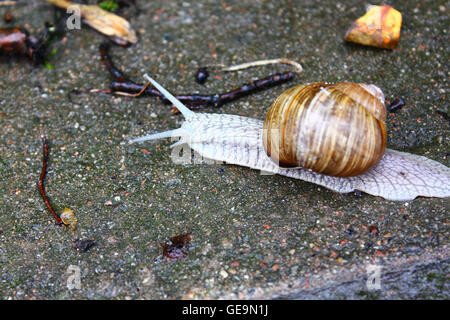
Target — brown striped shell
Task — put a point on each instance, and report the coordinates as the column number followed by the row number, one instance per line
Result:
column 335, row 129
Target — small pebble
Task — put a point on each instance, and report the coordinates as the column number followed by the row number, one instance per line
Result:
column 84, row 245
column 202, row 75
column 373, row 230
column 224, row 274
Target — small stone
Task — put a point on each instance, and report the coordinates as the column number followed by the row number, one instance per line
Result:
column 224, row 274
column 84, row 245
column 201, row 75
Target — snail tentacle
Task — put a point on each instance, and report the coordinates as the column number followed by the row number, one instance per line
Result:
column 177, row 103
column 166, row 134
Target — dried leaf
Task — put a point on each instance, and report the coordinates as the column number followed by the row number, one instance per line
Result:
column 379, row 27
column 8, row 3
column 110, row 24
column 174, row 251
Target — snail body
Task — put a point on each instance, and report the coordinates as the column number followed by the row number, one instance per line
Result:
column 240, row 140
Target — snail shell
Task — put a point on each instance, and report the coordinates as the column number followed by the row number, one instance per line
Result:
column 239, row 140
column 335, row 129
column 69, row 218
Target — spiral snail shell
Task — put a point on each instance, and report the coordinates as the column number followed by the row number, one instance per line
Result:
column 352, row 115
column 350, row 139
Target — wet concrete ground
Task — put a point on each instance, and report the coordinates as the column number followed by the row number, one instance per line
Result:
column 253, row 236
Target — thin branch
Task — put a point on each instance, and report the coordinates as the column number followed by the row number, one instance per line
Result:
column 41, row 186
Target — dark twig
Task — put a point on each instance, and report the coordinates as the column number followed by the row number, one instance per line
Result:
column 41, row 186
column 197, row 101
column 123, row 86
column 107, row 61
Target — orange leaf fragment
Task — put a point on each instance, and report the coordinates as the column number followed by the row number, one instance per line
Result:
column 379, row 27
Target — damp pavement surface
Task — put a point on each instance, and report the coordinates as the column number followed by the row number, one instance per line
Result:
column 253, row 236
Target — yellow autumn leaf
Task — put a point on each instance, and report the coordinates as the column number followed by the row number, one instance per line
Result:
column 379, row 27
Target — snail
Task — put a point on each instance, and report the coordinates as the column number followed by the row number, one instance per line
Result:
column 319, row 133
column 69, row 218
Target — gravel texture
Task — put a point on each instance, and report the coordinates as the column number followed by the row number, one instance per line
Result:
column 252, row 235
